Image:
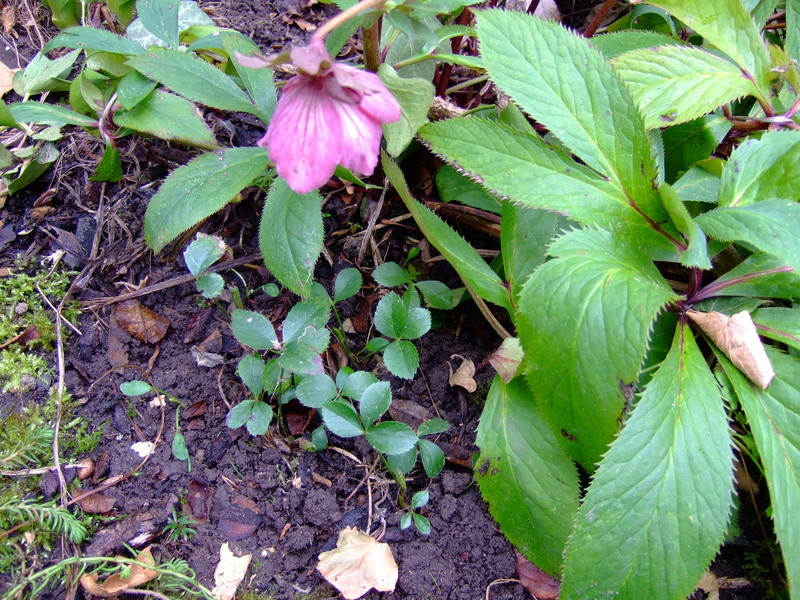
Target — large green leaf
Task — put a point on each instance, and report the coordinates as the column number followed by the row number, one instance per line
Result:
column 793, row 29
column 472, row 269
column 774, row 417
column 675, row 84
column 526, row 477
column 48, row 114
column 290, row 236
column 199, row 189
column 760, row 275
column 168, row 117
column 779, row 323
column 763, row 169
column 195, row 79
column 89, row 38
column 772, row 226
column 728, row 26
column 613, row 44
column 584, row 320
column 658, row 506
column 160, row 17
column 689, row 143
column 415, row 96
column 564, row 83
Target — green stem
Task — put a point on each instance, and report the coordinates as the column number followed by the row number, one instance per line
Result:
column 344, row 16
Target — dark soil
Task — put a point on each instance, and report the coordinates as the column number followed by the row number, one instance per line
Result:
column 264, row 494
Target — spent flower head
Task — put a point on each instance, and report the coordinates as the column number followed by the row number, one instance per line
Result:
column 329, row 114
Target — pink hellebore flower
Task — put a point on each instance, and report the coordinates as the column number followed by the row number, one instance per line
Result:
column 329, row 114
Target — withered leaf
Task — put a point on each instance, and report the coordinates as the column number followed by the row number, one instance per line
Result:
column 358, row 563
column 709, row 584
column 97, row 504
column 141, row 322
column 195, row 409
column 464, row 374
column 737, row 338
column 6, row 73
column 198, row 496
column 409, row 412
column 115, row 585
column 507, row 358
column 240, row 520
column 537, row 582
column 229, row 573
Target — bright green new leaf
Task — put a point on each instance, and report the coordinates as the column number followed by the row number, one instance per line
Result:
column 258, row 82
column 347, row 284
column 254, row 329
column 199, row 189
column 392, row 437
column 401, row 358
column 48, row 114
column 675, row 84
column 251, row 371
column 290, row 235
column 728, row 26
column 524, row 474
column 390, row 274
column 394, row 318
column 436, row 294
column 89, row 38
column 341, row 419
column 203, row 252
column 779, row 323
column 559, row 79
column 374, row 401
column 316, row 390
column 772, row 226
column 194, row 79
column 179, row 448
column 432, row 458
column 582, row 338
column 762, row 169
column 774, row 417
column 696, row 253
column 168, row 117
column 472, row 269
column 137, row 387
column 415, row 97
column 658, row 507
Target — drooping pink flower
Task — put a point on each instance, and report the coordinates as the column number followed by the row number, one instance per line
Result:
column 329, row 114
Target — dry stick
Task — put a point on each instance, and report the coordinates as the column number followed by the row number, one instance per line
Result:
column 498, row 582
column 373, row 219
column 598, row 19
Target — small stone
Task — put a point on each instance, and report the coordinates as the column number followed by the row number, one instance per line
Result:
column 21, row 308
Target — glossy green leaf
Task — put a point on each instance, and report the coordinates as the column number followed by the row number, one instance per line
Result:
column 251, row 371
column 422, row 523
column 392, row 437
column 774, row 417
column 432, row 458
column 303, row 317
column 561, row 81
column 90, row 38
column 390, row 274
column 401, row 358
column 374, row 402
column 316, row 390
column 290, row 235
column 48, row 114
column 675, row 84
column 254, row 330
column 405, row 521
column 347, row 284
column 453, row 185
column 659, row 504
column 689, row 143
column 415, row 96
column 395, row 319
column 762, row 169
column 759, row 275
column 137, row 387
column 160, row 17
column 581, row 339
column 436, row 294
column 341, row 419
column 772, row 226
column 203, row 252
column 356, row 383
column 779, row 323
column 432, row 427
column 403, row 463
column 472, row 269
column 526, row 477
column 420, row 499
column 109, row 168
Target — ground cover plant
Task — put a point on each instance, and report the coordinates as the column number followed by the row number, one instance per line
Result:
column 642, row 188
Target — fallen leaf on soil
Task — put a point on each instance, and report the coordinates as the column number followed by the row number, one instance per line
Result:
column 9, row 18
column 206, row 359
column 357, row 564
column 507, row 358
column 229, row 573
column 6, row 74
column 96, row 504
column 198, row 496
column 710, row 585
column 141, row 322
column 116, row 351
column 240, row 519
column 298, row 417
column 212, row 343
column 195, row 409
column 537, row 582
column 409, row 412
column 23, row 338
column 464, row 375
column 115, row 585
column 737, row 337
column 143, row 448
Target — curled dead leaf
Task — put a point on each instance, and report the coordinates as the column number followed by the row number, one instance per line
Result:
column 464, row 374
column 540, row 584
column 507, row 358
column 358, row 563
column 737, row 338
column 115, row 585
column 141, row 322
column 229, row 573
column 96, row 504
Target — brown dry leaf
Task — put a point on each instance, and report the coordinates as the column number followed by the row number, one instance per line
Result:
column 507, row 358
column 97, row 504
column 6, row 75
column 737, row 337
column 229, row 573
column 141, row 322
column 240, row 519
column 710, row 585
column 9, row 18
column 199, row 497
column 409, row 412
column 115, row 585
column 537, row 582
column 464, row 375
column 357, row 564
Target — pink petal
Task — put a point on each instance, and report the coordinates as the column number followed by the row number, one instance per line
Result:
column 311, row 59
column 360, row 139
column 376, row 100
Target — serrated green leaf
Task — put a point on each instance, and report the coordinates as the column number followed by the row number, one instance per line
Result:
column 341, row 419
column 194, row 79
column 566, row 85
column 759, row 275
column 259, row 83
column 356, row 383
column 772, row 226
column 254, row 414
column 401, row 358
column 301, row 358
column 251, row 371
column 763, row 169
column 453, row 185
column 526, row 477
column 137, row 387
column 432, row 427
column 160, row 17
column 316, row 390
column 415, row 97
column 779, row 323
column 581, row 339
column 436, row 294
column 472, row 269
column 658, row 506
column 199, row 189
column 390, row 274
column 254, row 330
column 202, row 253
column 347, row 284
column 89, row 38
column 48, row 114
column 774, row 417
column 374, row 401
column 210, row 285
column 303, row 316
column 133, row 88
column 792, row 45
column 395, row 319
column 404, row 463
column 696, row 253
column 675, row 84
column 109, row 168
column 44, row 75
column 420, row 499
column 290, row 235
column 392, row 437
column 688, row 143
column 727, row 25
column 612, row 45
column 432, row 458
column 701, row 182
